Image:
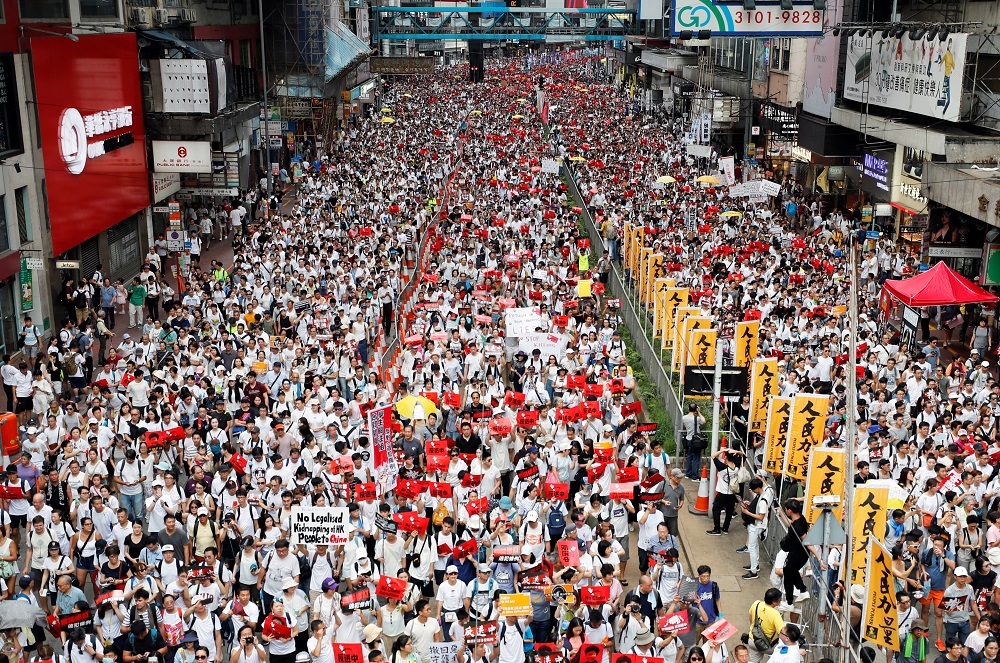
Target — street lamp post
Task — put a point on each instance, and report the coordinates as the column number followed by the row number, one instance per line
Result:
column 267, row 115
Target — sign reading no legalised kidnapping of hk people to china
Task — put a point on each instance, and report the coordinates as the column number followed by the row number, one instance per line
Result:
column 319, row 525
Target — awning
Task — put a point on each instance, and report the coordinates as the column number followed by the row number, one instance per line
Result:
column 168, row 40
column 938, row 286
column 344, row 51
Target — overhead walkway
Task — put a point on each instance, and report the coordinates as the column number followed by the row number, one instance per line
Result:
column 504, row 23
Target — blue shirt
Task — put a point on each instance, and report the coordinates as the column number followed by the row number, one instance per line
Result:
column 936, row 567
column 66, row 601
column 708, row 594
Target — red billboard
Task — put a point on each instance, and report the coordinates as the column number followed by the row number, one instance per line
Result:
column 93, row 141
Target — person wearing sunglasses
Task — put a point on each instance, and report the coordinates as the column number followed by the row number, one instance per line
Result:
column 787, row 649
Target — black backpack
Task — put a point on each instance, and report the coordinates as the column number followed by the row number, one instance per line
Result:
column 80, row 301
column 556, row 523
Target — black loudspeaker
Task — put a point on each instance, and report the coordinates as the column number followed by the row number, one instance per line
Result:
column 476, row 66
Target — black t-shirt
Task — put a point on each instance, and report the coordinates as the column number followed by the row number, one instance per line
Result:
column 145, row 645
column 792, row 543
column 133, row 549
column 468, row 446
column 223, row 417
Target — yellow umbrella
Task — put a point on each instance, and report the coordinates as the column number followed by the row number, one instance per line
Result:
column 387, row 120
column 577, row 159
column 521, row 100
column 408, row 96
column 518, row 117
column 665, row 179
column 731, row 213
column 476, row 112
column 386, row 110
column 708, row 179
column 405, row 406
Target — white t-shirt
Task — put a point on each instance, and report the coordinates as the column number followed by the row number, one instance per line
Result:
column 422, row 635
column 325, row 652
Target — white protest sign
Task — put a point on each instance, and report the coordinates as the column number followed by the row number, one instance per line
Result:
column 319, row 525
column 769, row 188
column 728, row 167
column 443, row 652
column 550, row 166
column 524, row 320
column 548, row 344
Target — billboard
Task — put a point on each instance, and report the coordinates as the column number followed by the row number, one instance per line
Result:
column 730, row 18
column 822, row 56
column 90, row 120
column 182, row 156
column 401, row 65
column 922, row 76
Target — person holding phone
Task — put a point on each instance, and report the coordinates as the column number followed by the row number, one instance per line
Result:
column 145, row 646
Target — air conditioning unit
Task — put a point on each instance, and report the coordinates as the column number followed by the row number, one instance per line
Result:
column 188, row 15
column 161, row 16
column 139, row 16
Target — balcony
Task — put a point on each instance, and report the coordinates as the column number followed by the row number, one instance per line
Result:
column 247, row 81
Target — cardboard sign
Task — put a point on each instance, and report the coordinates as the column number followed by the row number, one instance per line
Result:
column 634, row 407
column 437, row 462
column 359, row 600
column 720, row 631
column 569, row 552
column 484, row 634
column 536, row 581
column 595, row 472
column 11, row 492
column 365, row 491
column 558, row 593
column 507, row 554
column 617, row 386
column 453, row 399
column 621, row 491
column 470, row 480
column 84, row 620
column 603, row 452
column 557, row 491
column 527, row 472
column 591, row 653
column 576, row 381
column 409, row 488
column 517, row 605
column 443, row 652
column 592, row 409
column 385, row 524
column 436, row 447
column 440, row 489
column 391, row 588
column 675, row 622
column 647, row 427
column 527, row 418
column 546, row 652
column 500, row 426
column 628, row 474
column 348, row 652
column 593, row 390
column 466, row 549
column 595, row 595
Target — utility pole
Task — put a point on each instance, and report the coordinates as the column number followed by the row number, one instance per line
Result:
column 716, row 397
column 267, row 114
column 849, row 652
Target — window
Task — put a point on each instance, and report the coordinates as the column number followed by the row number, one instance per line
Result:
column 731, row 53
column 246, row 59
column 4, row 237
column 98, row 9
column 781, row 53
column 11, row 142
column 24, row 234
column 45, row 9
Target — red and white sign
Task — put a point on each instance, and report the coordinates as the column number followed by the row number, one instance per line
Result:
column 89, row 105
column 182, row 156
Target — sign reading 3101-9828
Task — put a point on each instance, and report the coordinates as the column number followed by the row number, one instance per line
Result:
column 732, row 18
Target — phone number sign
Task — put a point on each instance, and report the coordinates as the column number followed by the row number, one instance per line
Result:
column 730, row 18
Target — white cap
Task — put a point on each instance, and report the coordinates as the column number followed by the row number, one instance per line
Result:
column 532, row 517
column 202, row 511
column 451, row 569
column 167, row 548
column 289, row 583
column 32, row 430
column 158, row 482
column 961, row 571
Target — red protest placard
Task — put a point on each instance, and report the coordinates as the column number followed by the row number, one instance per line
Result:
column 507, row 554
column 604, row 454
column 652, row 480
column 410, row 522
column 592, row 409
column 348, row 652
column 453, row 399
column 720, row 631
column 365, row 491
column 432, row 396
column 617, row 386
column 569, row 553
column 675, row 622
column 500, row 426
column 527, row 472
column 484, row 634
column 595, row 595
column 440, row 489
column 438, row 462
column 478, row 506
column 557, row 491
column 514, row 399
column 594, row 472
column 628, row 474
column 466, row 549
column 436, row 446
column 631, row 408
column 409, row 488
column 483, row 414
column 646, row 427
column 621, row 491
column 576, row 381
column 593, row 390
column 8, row 492
column 391, row 588
column 527, row 418
column 591, row 652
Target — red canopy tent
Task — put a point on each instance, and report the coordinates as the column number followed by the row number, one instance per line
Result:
column 938, row 286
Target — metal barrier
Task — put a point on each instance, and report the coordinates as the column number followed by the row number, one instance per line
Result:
column 651, row 359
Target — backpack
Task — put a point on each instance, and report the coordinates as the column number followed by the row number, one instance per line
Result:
column 154, row 626
column 556, row 523
column 80, row 301
column 71, row 366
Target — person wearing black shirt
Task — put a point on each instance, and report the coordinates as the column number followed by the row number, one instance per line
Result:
column 141, row 644
column 56, row 493
column 798, row 552
column 468, row 442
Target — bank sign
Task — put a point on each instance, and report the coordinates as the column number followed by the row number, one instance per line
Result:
column 731, row 19
column 921, row 76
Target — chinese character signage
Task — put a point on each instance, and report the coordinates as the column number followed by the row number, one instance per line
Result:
column 401, row 65
column 921, row 76
column 701, row 347
column 881, row 614
column 826, row 481
column 27, row 287
column 660, row 288
column 869, row 513
column 805, row 432
column 777, row 432
column 746, row 342
column 673, row 300
column 763, row 384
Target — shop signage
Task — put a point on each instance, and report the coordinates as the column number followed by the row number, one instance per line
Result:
column 401, row 65
column 911, row 191
column 955, row 252
column 67, row 264
column 778, row 120
column 10, row 112
column 161, row 209
column 165, row 184
column 93, row 139
column 991, row 265
column 801, row 154
column 212, row 191
column 35, row 263
column 876, row 174
column 922, row 76
column 27, row 287
column 182, row 156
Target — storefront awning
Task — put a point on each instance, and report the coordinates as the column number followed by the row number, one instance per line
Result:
column 938, row 286
column 344, row 51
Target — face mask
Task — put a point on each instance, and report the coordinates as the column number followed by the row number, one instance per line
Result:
column 107, row 660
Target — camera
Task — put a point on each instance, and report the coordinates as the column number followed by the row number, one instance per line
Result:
column 248, row 640
column 635, row 608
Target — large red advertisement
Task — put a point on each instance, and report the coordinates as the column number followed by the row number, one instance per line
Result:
column 90, row 112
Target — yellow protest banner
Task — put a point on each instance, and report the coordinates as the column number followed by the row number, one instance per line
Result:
column 680, row 313
column 805, row 432
column 583, row 288
column 747, row 336
column 629, row 230
column 655, row 261
column 881, row 613
column 681, row 351
column 763, row 385
column 825, row 483
column 869, row 514
column 660, row 287
column 645, row 255
column 701, row 346
column 518, row 605
column 778, row 418
column 674, row 300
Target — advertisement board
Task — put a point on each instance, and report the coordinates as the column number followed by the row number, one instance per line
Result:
column 876, row 173
column 731, row 19
column 182, row 156
column 822, row 56
column 922, row 76
column 90, row 119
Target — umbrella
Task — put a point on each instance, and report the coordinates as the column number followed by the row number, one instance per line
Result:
column 665, row 179
column 518, row 117
column 386, row 110
column 476, row 112
column 387, row 120
column 18, row 614
column 405, row 406
column 408, row 96
column 521, row 100
column 577, row 159
column 731, row 213
column 708, row 179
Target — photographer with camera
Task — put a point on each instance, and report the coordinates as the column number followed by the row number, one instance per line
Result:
column 247, row 648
